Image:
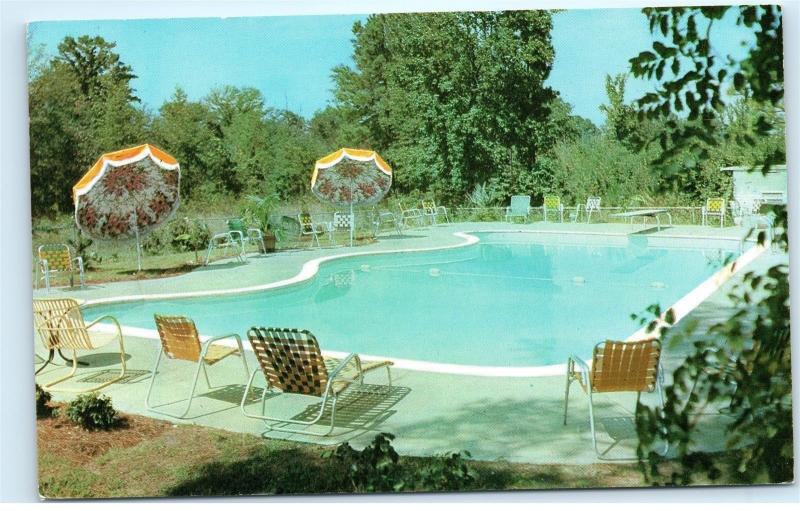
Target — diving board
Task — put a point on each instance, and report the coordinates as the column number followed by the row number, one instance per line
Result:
column 645, row 214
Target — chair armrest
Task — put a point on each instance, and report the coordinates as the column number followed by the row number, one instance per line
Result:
column 79, row 261
column 345, row 361
column 105, row 318
column 583, row 374
column 257, row 232
column 233, row 235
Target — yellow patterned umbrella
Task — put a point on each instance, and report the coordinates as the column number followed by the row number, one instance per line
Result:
column 351, row 176
column 127, row 193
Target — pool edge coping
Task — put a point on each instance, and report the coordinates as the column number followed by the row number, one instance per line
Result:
column 685, row 305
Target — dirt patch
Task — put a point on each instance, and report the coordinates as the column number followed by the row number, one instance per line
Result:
column 58, row 436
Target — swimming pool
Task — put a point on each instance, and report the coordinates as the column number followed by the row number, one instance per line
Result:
column 510, row 300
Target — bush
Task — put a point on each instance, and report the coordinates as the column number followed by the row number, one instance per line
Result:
column 153, row 244
column 189, row 235
column 92, row 411
column 377, row 468
column 43, row 408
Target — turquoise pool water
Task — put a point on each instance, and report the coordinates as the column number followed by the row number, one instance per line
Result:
column 501, row 302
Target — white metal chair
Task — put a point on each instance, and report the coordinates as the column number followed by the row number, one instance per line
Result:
column 520, row 206
column 379, row 218
column 291, row 362
column 715, row 207
column 55, row 259
column 180, row 341
column 592, row 206
column 617, row 367
column 407, row 214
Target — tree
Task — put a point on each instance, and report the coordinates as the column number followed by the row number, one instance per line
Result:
column 94, row 64
column 451, row 98
column 744, row 362
column 80, row 106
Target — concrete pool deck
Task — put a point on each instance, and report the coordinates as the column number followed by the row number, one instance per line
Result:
column 510, row 418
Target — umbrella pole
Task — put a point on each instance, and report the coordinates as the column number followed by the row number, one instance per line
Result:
column 352, row 222
column 138, row 250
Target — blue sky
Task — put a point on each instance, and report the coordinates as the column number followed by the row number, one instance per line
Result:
column 289, row 59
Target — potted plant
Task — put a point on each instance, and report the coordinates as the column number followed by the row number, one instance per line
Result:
column 258, row 210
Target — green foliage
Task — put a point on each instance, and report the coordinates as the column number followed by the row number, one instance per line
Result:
column 374, row 469
column 599, row 165
column 43, row 408
column 684, row 35
column 153, row 243
column 743, row 363
column 189, row 234
column 80, row 245
column 92, row 411
column 377, row 468
column 80, row 106
column 260, row 208
column 451, row 98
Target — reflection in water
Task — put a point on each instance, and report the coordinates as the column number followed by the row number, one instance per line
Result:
column 337, row 286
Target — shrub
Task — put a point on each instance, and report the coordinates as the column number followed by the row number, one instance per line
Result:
column 43, row 408
column 377, row 468
column 189, row 235
column 92, row 411
column 153, row 244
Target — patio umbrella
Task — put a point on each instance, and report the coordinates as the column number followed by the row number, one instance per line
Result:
column 127, row 193
column 349, row 177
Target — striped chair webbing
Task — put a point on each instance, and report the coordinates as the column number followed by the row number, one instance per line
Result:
column 715, row 205
column 60, row 324
column 179, row 337
column 552, row 201
column 291, row 359
column 625, row 366
column 57, row 256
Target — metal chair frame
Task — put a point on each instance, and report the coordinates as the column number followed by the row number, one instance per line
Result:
column 201, row 366
column 44, row 269
column 61, row 326
column 329, row 393
column 710, row 209
column 585, row 377
column 520, row 206
column 557, row 206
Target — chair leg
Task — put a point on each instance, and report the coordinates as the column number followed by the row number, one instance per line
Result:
column 152, row 408
column 566, row 396
column 591, row 424
column 50, row 356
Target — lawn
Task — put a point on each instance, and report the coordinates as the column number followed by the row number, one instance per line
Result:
column 148, row 457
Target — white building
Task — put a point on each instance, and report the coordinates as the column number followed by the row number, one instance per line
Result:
column 751, row 184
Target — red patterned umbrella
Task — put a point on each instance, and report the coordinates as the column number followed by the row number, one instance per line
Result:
column 351, row 176
column 127, row 193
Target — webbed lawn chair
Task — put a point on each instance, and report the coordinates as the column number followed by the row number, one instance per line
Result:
column 379, row 218
column 291, row 362
column 308, row 227
column 433, row 212
column 553, row 203
column 60, row 326
column 55, row 259
column 714, row 207
column 181, row 341
column 520, row 207
column 616, row 367
column 407, row 214
column 592, row 206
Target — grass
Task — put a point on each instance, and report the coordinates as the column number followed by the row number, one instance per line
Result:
column 148, row 457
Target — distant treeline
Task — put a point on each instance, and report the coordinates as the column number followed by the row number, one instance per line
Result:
column 454, row 102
